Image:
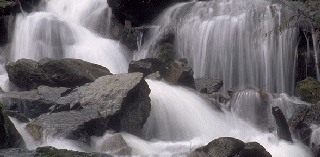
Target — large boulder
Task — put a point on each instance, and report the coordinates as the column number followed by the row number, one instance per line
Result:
column 180, row 73
column 309, row 90
column 28, row 74
column 123, row 98
column 9, row 136
column 222, row 147
column 35, row 102
column 77, row 125
column 208, row 84
column 139, row 11
column 312, row 116
column 148, row 66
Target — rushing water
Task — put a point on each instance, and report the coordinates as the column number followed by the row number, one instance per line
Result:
column 227, row 39
column 221, row 38
column 68, row 29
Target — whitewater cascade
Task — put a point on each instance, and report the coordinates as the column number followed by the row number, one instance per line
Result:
column 235, row 40
column 68, row 29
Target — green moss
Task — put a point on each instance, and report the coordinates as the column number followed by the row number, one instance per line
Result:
column 54, row 152
column 309, row 90
column 4, row 4
column 166, row 52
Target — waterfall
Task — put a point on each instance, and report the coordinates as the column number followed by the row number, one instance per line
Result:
column 229, row 39
column 68, row 29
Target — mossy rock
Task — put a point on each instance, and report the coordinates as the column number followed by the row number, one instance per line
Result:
column 309, row 90
column 54, row 152
column 166, row 52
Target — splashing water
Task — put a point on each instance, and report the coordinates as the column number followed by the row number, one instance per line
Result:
column 227, row 40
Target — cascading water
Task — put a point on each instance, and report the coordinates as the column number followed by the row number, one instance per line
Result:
column 227, row 40
column 68, row 29
column 221, row 38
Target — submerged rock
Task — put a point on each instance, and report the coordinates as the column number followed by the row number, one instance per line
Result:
column 123, row 99
column 9, row 136
column 180, row 73
column 28, row 74
column 115, row 145
column 77, row 125
column 309, row 90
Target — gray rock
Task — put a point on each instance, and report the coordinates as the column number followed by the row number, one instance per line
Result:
column 148, row 66
column 9, row 136
column 115, row 145
column 222, row 147
column 14, row 152
column 253, row 149
column 76, row 125
column 208, row 84
column 33, row 103
column 180, row 73
column 28, row 74
column 123, row 98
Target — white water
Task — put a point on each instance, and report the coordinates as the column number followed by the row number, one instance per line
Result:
column 226, row 39
column 180, row 122
column 67, row 29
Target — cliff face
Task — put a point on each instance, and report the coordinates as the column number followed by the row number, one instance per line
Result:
column 139, row 11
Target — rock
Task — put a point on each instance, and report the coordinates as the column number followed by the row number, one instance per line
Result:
column 312, row 117
column 218, row 97
column 309, row 90
column 165, row 52
column 123, row 98
column 77, row 125
column 54, row 152
column 208, row 84
column 222, row 147
column 15, row 114
column 32, row 103
column 148, row 66
column 28, row 74
column 9, row 136
column 15, row 152
column 253, row 149
column 139, row 11
column 282, row 126
column 115, row 145
column 180, row 73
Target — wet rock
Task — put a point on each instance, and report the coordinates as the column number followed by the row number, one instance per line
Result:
column 222, row 147
column 208, row 84
column 309, row 90
column 147, row 66
column 54, row 152
column 115, row 145
column 28, row 74
column 76, row 125
column 15, row 114
column 180, row 73
column 15, row 152
column 253, row 149
column 312, row 117
column 123, row 99
column 32, row 103
column 9, row 136
column 138, row 11
column 282, row 125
